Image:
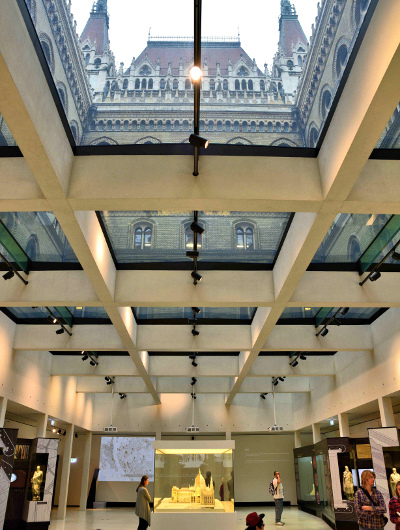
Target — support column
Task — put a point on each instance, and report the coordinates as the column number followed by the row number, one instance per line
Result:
column 316, row 433
column 386, row 411
column 344, row 428
column 229, row 436
column 85, row 471
column 66, row 464
column 158, row 435
column 41, row 427
column 297, row 439
column 3, row 408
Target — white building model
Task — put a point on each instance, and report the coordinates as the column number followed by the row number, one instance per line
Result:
column 197, row 494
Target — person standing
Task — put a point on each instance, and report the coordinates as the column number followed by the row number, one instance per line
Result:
column 278, row 497
column 143, row 504
column 394, row 507
column 369, row 503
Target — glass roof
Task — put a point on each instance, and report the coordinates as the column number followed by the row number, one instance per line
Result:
column 254, row 91
column 390, row 138
column 355, row 315
column 183, row 313
column 231, row 237
column 39, row 235
column 6, row 138
column 349, row 237
column 79, row 314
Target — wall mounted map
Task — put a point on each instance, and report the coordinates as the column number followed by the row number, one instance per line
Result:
column 126, row 459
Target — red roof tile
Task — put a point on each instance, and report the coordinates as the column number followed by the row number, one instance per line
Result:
column 291, row 33
column 96, row 30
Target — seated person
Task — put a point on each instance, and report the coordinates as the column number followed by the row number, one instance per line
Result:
column 255, row 521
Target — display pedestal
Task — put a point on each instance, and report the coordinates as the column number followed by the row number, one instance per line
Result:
column 194, row 521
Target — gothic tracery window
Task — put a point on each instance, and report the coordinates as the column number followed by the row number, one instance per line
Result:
column 143, row 237
column 242, row 71
column 245, row 237
column 341, row 59
column 325, row 103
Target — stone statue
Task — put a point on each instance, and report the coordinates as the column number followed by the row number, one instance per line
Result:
column 348, row 486
column 36, row 480
column 394, row 479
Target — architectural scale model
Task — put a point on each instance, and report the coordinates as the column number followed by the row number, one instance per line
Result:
column 197, row 494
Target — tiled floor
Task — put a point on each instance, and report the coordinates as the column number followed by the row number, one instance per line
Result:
column 125, row 518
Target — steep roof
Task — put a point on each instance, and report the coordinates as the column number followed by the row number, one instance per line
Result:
column 290, row 30
column 215, row 52
column 96, row 29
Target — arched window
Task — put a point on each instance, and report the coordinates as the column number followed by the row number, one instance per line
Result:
column 162, row 84
column 261, row 126
column 202, row 125
column 225, row 85
column 227, row 126
column 176, row 125
column 168, row 125
column 270, row 127
column 290, row 64
column 210, row 125
column 151, row 125
column 286, row 127
column 244, row 238
column 125, row 85
column 134, row 125
column 244, row 126
column 313, row 137
column 185, row 125
column 74, row 132
column 262, row 84
column 188, row 84
column 47, row 53
column 137, row 84
column 32, row 248
column 109, row 125
column 175, row 84
column 189, row 239
column 278, row 127
column 242, row 71
column 150, row 84
column 237, row 84
column 244, row 84
column 325, row 103
column 114, row 86
column 145, row 70
column 250, row 84
column 117, row 125
column 143, row 237
column 144, row 84
column 101, row 125
column 212, row 84
column 61, row 93
column 360, row 11
column 236, row 126
column 299, row 60
column 253, row 126
column 294, row 126
column 353, row 249
column 97, row 62
column 87, row 58
column 159, row 125
column 142, row 125
column 341, row 59
column 92, row 125
column 219, row 125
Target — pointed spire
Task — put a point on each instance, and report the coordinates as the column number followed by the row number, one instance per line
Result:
column 97, row 26
column 290, row 30
column 287, row 8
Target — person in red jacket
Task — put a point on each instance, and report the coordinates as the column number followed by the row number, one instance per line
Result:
column 394, row 507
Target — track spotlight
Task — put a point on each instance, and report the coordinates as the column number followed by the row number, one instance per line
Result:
column 76, row 435
column 60, row 331
column 64, row 433
column 84, row 357
column 59, row 431
column 196, row 228
column 109, row 381
column 193, row 358
column 345, row 310
column 276, row 382
column 324, row 332
column 122, row 395
column 194, row 364
column 196, row 310
column 396, row 256
column 192, row 321
column 196, row 276
column 262, row 396
column 282, row 378
column 192, row 254
column 193, row 396
column 53, row 430
column 93, row 362
column 198, row 141
column 194, row 381
column 195, row 333
column 8, row 275
column 375, row 276
column 195, row 74
column 294, row 364
column 303, row 357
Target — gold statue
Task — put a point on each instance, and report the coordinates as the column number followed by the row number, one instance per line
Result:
column 36, row 480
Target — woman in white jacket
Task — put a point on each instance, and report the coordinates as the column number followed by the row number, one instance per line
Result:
column 143, row 504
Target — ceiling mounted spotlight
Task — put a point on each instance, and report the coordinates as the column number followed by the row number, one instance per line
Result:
column 93, row 362
column 195, row 333
column 122, row 395
column 293, row 364
column 76, row 435
column 193, row 359
column 282, row 378
column 60, row 331
column 262, row 396
column 53, row 430
column 345, row 310
column 59, row 431
column 196, row 310
column 194, row 381
column 375, row 276
column 192, row 254
column 8, row 275
column 109, row 381
column 196, row 228
column 276, row 382
column 195, row 74
column 303, row 357
column 198, row 141
column 196, row 276
column 324, row 332
column 64, row 433
column 193, row 396
column 84, row 357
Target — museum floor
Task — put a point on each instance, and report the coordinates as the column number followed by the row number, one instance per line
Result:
column 124, row 518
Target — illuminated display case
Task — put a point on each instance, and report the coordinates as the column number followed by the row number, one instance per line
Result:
column 194, row 478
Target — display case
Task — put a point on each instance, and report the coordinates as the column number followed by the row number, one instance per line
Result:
column 194, row 478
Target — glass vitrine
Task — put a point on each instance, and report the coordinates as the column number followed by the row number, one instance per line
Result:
column 194, row 477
